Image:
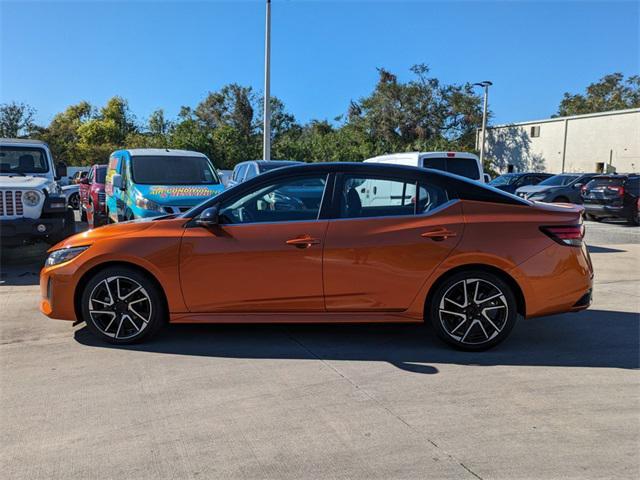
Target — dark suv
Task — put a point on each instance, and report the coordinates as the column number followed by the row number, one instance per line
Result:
column 510, row 182
column 614, row 196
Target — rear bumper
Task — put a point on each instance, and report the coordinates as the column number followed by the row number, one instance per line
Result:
column 598, row 210
column 17, row 231
column 559, row 279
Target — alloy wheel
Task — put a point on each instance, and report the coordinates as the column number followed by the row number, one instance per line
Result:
column 120, row 307
column 473, row 311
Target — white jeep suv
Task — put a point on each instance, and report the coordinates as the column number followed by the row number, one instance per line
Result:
column 32, row 206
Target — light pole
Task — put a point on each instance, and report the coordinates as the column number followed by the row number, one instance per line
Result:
column 486, row 84
column 266, row 143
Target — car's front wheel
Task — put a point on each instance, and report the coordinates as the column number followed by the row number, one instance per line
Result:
column 122, row 305
column 473, row 310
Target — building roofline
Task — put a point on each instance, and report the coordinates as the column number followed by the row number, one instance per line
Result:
column 562, row 119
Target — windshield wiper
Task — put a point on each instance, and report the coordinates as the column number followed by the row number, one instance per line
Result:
column 11, row 174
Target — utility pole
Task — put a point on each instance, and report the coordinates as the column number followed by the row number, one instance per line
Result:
column 486, row 84
column 266, row 144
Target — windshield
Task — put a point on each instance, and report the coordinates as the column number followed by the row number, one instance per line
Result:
column 506, row 179
column 100, row 174
column 23, row 160
column 172, row 170
column 559, row 180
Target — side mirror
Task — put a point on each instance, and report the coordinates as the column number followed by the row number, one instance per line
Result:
column 486, row 177
column 117, row 180
column 209, row 217
column 85, row 181
column 61, row 170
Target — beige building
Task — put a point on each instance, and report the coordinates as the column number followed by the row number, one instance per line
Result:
column 607, row 141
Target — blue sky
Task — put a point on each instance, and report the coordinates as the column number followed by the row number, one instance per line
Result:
column 168, row 54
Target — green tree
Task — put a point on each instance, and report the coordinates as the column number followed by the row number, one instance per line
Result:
column 611, row 92
column 62, row 133
column 16, row 119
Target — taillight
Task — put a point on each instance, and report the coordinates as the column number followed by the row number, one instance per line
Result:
column 566, row 235
column 617, row 189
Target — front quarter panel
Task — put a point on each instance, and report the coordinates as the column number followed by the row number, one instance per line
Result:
column 154, row 249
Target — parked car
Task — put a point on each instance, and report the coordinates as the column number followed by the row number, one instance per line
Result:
column 244, row 171
column 72, row 195
column 614, row 196
column 150, row 182
column 32, row 206
column 563, row 188
column 460, row 163
column 93, row 198
column 78, row 176
column 510, row 182
column 464, row 257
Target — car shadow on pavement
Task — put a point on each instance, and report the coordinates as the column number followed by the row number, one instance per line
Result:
column 22, row 265
column 596, row 249
column 594, row 338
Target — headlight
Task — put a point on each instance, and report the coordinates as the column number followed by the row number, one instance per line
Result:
column 30, row 198
column 146, row 204
column 63, row 255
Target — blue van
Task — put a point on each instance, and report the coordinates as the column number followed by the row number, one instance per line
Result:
column 149, row 182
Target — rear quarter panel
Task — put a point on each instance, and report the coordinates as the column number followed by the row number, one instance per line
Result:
column 505, row 236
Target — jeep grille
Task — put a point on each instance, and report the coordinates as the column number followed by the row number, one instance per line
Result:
column 11, row 203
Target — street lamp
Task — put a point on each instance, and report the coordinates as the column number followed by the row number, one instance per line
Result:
column 266, row 143
column 486, row 84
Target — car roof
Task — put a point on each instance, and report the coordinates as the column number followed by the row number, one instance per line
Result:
column 360, row 166
column 21, row 141
column 271, row 162
column 160, row 152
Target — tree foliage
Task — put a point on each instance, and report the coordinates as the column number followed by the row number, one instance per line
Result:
column 16, row 120
column 611, row 92
column 419, row 114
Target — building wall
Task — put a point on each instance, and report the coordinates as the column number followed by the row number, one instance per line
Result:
column 606, row 137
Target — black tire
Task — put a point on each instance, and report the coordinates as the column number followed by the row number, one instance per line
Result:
column 489, row 325
column 635, row 218
column 74, row 201
column 588, row 216
column 119, row 326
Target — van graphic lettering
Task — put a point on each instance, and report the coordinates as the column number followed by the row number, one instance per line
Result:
column 165, row 192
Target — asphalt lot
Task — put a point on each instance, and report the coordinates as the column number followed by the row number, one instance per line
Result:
column 559, row 399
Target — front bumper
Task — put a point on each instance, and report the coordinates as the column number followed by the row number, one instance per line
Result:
column 20, row 230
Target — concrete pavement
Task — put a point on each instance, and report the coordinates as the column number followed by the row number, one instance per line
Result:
column 559, row 399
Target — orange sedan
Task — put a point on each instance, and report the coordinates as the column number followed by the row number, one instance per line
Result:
column 330, row 243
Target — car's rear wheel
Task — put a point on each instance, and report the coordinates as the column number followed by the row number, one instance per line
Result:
column 122, row 305
column 473, row 310
column 74, row 201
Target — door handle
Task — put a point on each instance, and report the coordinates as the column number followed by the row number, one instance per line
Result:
column 439, row 234
column 303, row 242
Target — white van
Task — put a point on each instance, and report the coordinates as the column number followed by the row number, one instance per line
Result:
column 459, row 163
